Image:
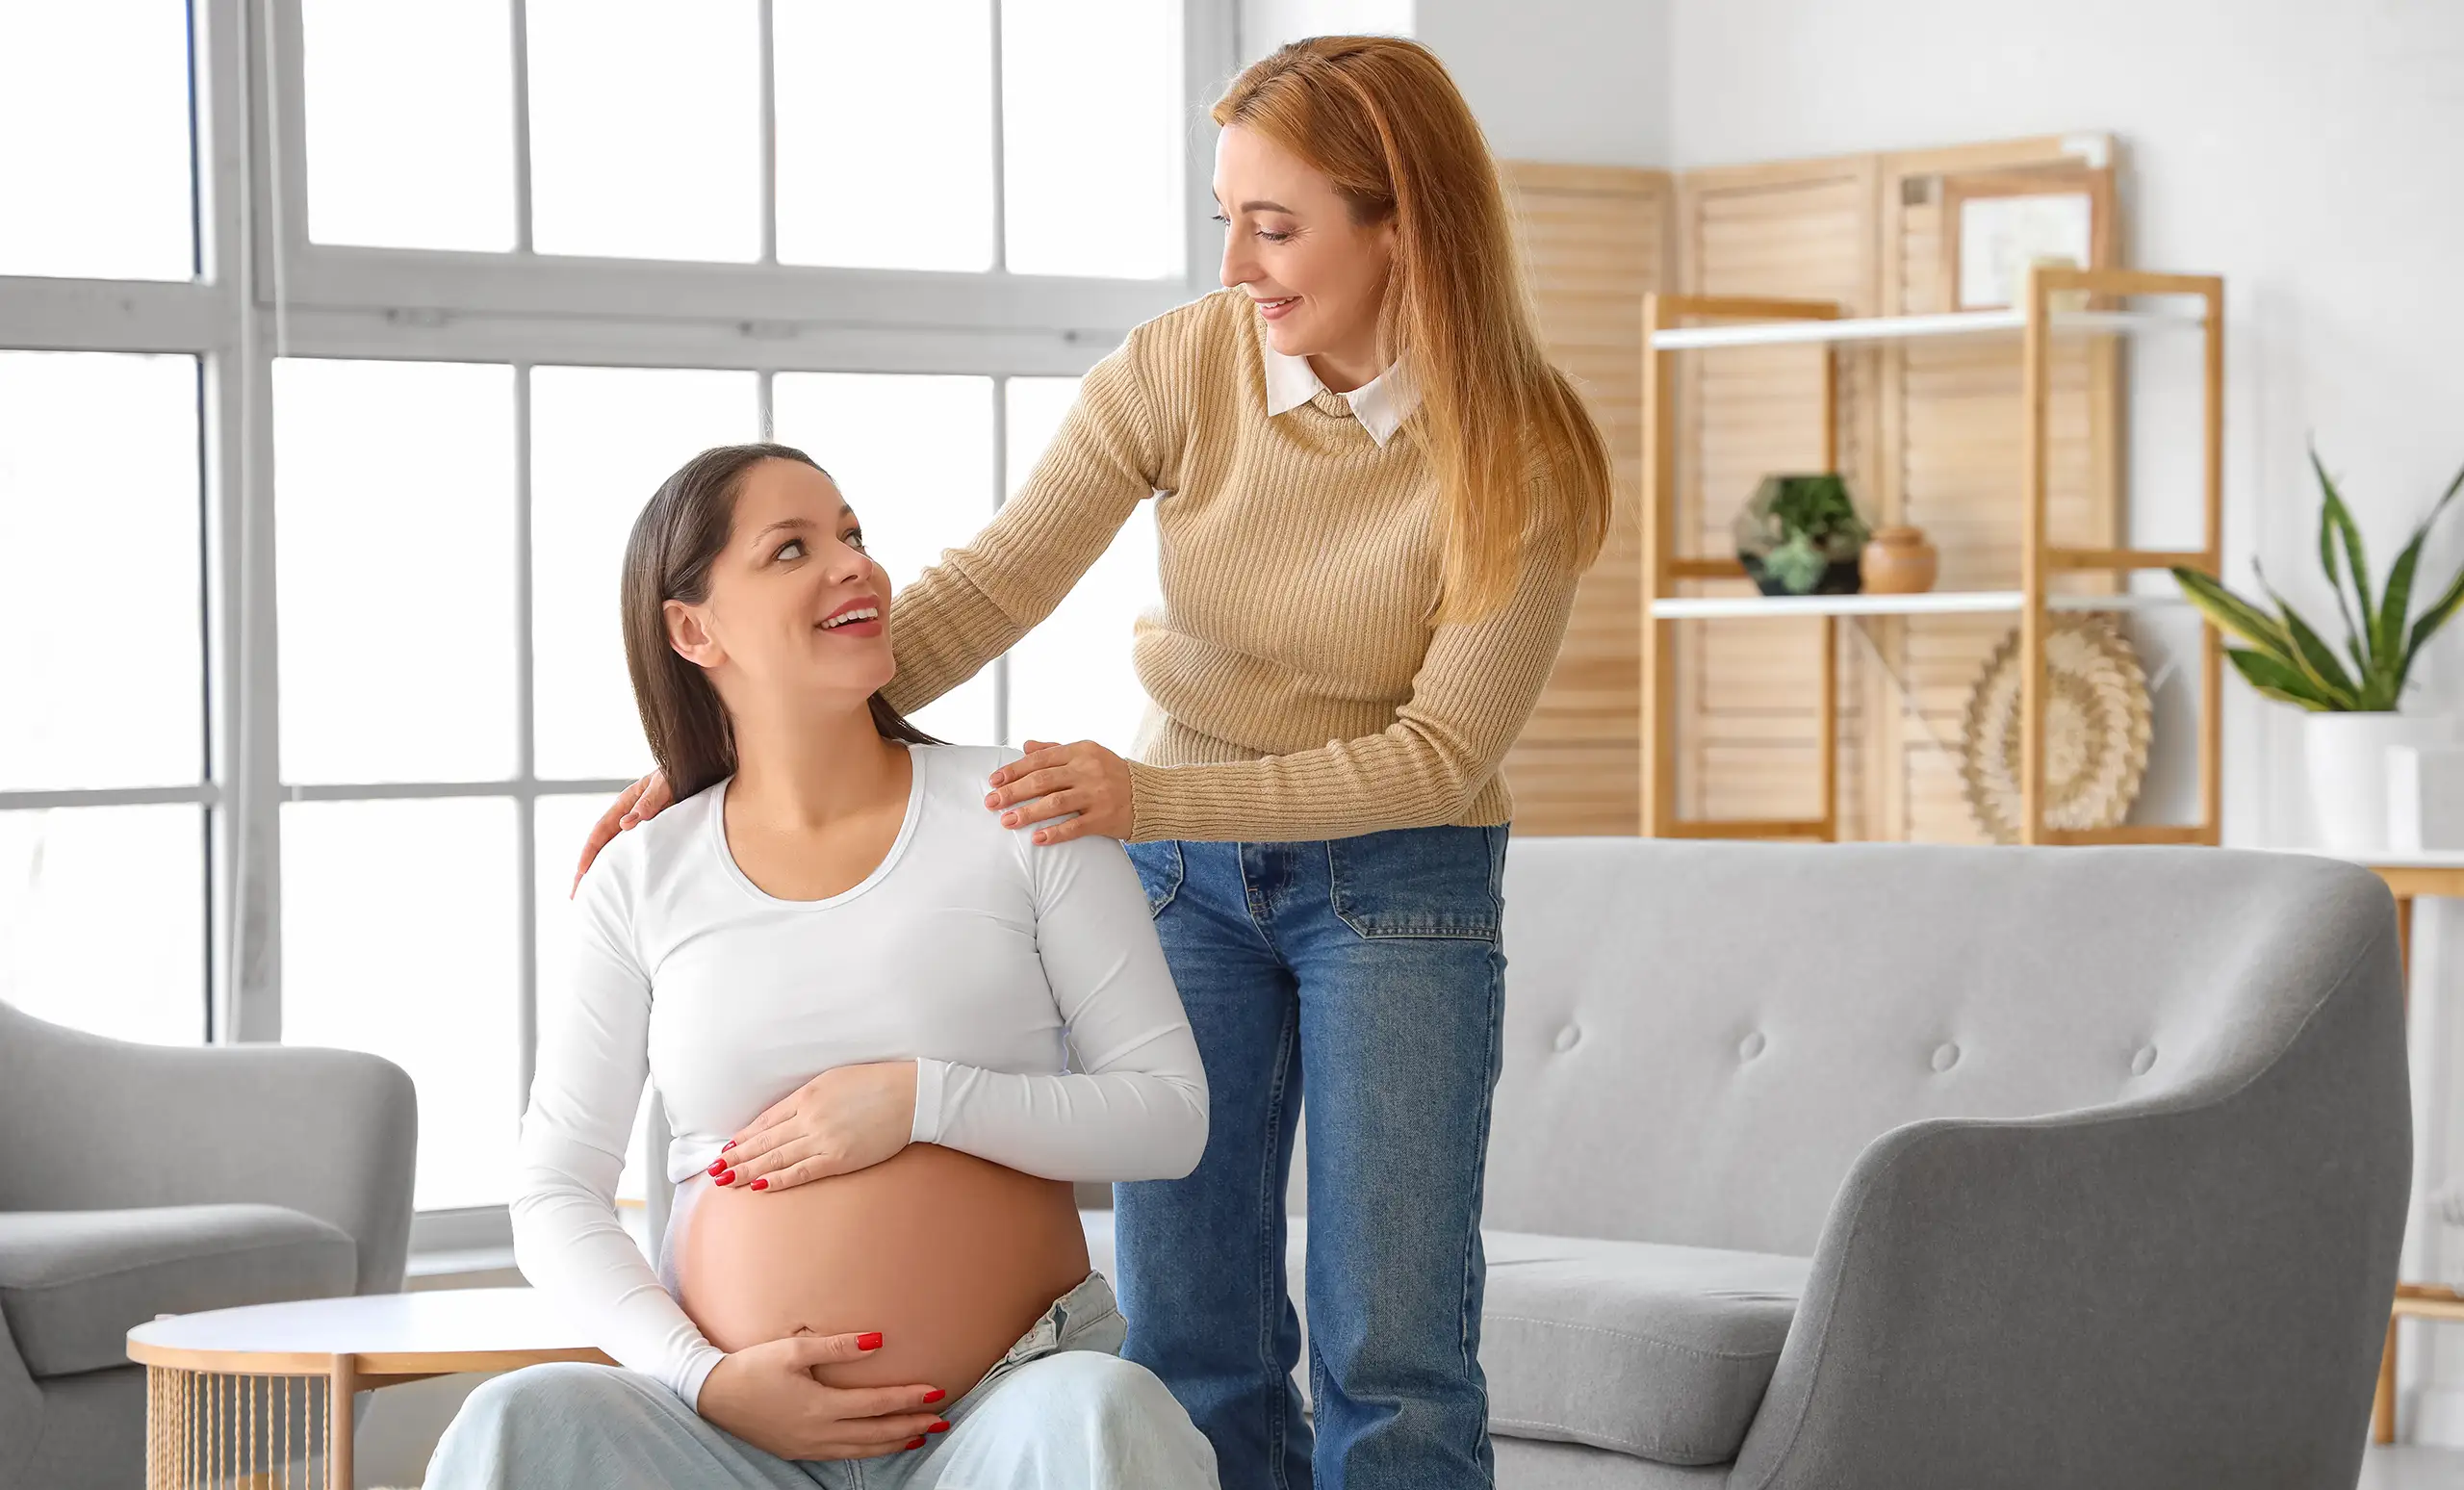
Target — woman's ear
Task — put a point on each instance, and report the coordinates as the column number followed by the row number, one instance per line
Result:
column 690, row 636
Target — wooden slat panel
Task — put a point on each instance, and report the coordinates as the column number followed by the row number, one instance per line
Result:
column 1950, row 420
column 1595, row 242
column 1749, row 692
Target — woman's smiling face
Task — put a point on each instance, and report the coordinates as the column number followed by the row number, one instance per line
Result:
column 1290, row 241
column 795, row 602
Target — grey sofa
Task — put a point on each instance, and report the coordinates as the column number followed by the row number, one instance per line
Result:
column 1891, row 1168
column 138, row 1180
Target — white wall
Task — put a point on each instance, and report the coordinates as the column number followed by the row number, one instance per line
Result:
column 1550, row 80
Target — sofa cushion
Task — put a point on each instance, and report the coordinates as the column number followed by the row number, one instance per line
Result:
column 1663, row 1353
column 1655, row 1351
column 74, row 1283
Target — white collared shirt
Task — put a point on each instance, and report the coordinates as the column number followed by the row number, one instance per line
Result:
column 1381, row 404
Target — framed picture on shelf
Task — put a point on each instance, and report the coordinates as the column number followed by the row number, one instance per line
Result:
column 1996, row 225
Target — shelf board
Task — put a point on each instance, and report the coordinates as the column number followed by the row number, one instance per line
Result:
column 1932, row 602
column 1891, row 328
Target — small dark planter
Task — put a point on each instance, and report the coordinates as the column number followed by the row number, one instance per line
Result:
column 1840, row 576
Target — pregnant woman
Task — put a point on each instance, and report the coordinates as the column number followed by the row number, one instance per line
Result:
column 887, row 1034
column 1373, row 499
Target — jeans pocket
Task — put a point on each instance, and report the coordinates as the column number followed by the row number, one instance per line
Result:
column 1417, row 881
column 1159, row 870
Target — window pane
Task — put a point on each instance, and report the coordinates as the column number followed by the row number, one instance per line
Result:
column 602, row 440
column 646, row 128
column 852, row 192
column 98, row 496
column 394, row 531
column 95, row 140
column 564, row 823
column 397, row 939
column 913, row 457
column 410, row 123
column 74, row 884
column 1092, row 136
column 1071, row 677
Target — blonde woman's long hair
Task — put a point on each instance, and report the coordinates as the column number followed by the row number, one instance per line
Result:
column 1380, row 118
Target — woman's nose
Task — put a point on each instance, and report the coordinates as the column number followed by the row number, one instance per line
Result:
column 1238, row 270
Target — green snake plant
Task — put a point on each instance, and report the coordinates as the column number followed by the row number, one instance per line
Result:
column 2288, row 660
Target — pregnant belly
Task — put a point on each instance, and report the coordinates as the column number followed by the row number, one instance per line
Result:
column 951, row 1257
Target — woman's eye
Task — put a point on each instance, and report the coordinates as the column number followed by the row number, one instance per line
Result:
column 1221, row 218
column 797, row 543
column 1272, row 238
column 855, row 538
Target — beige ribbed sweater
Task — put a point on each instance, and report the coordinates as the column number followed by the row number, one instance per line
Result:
column 1299, row 689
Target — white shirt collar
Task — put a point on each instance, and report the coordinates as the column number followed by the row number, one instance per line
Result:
column 1381, row 404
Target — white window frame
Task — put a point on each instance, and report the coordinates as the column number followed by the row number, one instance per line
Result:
column 264, row 291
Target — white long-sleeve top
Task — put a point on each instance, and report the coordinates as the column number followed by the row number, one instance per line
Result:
column 983, row 957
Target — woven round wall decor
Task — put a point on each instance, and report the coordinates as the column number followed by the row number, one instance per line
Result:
column 2096, row 724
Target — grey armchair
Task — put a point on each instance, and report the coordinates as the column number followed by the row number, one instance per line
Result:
column 138, row 1180
column 1894, row 1168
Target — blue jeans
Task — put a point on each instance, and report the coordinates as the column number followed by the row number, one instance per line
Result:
column 1367, row 971
column 1060, row 1412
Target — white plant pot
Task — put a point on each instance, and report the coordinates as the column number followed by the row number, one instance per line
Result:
column 2346, row 754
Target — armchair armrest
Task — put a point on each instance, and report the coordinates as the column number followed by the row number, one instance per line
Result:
column 2189, row 1288
column 91, row 1124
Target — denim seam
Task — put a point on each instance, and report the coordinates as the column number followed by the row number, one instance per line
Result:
column 1271, row 1298
column 1467, row 1322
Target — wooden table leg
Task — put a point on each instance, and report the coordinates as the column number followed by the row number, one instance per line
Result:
column 341, row 1381
column 2382, row 1407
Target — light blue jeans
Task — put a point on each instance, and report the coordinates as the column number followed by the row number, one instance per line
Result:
column 1367, row 972
column 1061, row 1411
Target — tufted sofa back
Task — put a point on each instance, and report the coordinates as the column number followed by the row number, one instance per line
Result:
column 1701, row 1037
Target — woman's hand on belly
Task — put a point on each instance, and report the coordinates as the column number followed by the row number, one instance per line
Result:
column 768, row 1396
column 847, row 1118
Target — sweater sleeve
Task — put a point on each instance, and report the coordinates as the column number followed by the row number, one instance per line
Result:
column 1474, row 689
column 1134, row 1106
column 975, row 604
column 593, row 1061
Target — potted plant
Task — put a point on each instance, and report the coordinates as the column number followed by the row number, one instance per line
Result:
column 1801, row 536
column 2352, row 702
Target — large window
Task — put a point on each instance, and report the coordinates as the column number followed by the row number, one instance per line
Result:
column 336, row 359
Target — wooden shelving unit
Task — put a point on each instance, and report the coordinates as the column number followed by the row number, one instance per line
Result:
column 1757, row 321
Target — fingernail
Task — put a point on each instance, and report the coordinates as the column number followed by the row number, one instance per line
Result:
column 718, row 1167
column 934, row 1395
column 763, row 1183
column 869, row 1340
column 1008, row 819
column 1039, row 836
column 724, row 1147
column 626, row 821
column 991, row 799
column 939, row 1427
column 916, row 1444
column 728, row 1179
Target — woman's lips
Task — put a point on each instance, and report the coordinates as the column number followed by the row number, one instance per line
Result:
column 872, row 628
column 1277, row 309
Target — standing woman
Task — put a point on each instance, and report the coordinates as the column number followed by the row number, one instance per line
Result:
column 1374, row 500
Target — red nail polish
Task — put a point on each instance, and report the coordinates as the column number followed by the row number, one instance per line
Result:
column 718, row 1167
column 724, row 1147
column 916, row 1444
column 728, row 1179
column 763, row 1183
column 939, row 1427
column 934, row 1395
column 869, row 1340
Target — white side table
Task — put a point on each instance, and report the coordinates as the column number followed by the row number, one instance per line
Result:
column 237, row 1397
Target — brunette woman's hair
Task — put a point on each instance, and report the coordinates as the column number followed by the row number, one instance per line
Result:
column 676, row 541
column 1380, row 118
